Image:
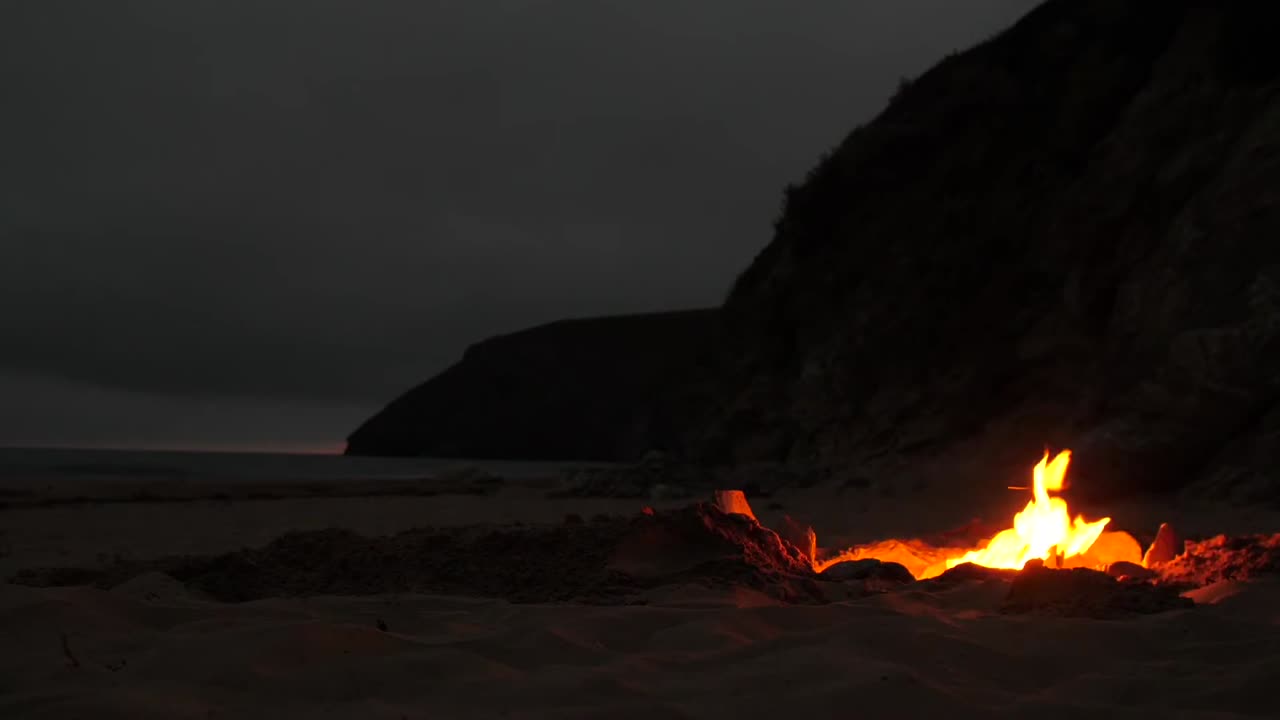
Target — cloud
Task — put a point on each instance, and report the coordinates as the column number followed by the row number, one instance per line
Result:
column 43, row 412
column 326, row 201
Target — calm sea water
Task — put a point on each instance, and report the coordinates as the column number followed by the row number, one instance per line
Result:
column 21, row 466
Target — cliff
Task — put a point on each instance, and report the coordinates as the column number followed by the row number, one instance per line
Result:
column 570, row 390
column 1068, row 235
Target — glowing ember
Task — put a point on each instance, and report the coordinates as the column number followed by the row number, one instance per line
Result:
column 919, row 558
column 734, row 502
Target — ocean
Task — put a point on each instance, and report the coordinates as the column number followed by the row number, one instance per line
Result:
column 27, row 467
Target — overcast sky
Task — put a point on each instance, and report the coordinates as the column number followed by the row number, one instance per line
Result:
column 249, row 224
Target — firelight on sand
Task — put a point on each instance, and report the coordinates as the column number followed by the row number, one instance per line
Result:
column 1043, row 530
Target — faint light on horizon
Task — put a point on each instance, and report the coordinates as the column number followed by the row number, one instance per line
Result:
column 229, row 448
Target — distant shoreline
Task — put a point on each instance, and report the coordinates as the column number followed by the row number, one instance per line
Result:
column 336, row 450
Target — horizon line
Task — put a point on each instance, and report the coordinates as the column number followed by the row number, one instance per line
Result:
column 219, row 449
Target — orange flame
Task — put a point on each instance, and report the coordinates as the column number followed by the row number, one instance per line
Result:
column 1044, row 529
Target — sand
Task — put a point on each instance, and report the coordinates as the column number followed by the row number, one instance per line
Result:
column 154, row 648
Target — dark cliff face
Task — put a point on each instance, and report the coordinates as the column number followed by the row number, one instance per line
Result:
column 570, row 390
column 1066, row 236
column 1069, row 235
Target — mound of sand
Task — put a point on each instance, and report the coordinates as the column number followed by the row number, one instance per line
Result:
column 87, row 653
column 606, row 560
column 621, row 560
column 1223, row 558
column 1080, row 592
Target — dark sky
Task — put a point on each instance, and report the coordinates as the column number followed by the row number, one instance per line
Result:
column 248, row 224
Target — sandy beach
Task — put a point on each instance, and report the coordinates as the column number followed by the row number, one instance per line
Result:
column 152, row 647
column 150, row 652
column 443, row 360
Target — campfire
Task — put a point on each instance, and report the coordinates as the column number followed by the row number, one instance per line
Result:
column 1043, row 531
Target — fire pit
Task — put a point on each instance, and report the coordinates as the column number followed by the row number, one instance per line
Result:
column 1044, row 561
column 1053, row 561
column 1044, row 530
